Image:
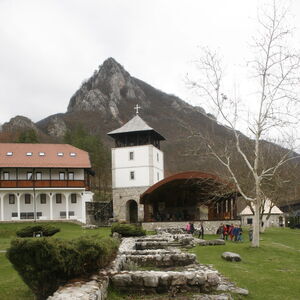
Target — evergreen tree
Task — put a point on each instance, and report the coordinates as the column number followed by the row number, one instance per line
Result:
column 100, row 159
column 28, row 136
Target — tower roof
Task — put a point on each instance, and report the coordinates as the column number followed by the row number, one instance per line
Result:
column 136, row 124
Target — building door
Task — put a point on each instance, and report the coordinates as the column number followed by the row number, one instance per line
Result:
column 132, row 211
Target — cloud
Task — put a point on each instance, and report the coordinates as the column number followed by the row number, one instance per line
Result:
column 49, row 47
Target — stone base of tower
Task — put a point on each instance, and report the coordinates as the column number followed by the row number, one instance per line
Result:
column 126, row 204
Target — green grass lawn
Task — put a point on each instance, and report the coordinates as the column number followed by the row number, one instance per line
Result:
column 271, row 271
column 11, row 285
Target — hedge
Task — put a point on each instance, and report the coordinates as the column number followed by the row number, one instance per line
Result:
column 45, row 264
column 128, row 229
column 29, row 231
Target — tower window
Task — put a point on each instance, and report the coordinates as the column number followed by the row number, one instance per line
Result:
column 157, row 176
column 132, row 175
column 157, row 156
column 27, row 198
column 131, row 155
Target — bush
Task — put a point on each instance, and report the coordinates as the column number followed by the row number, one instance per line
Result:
column 45, row 264
column 46, row 229
column 128, row 229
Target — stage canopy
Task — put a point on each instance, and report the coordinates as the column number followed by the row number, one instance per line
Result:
column 189, row 196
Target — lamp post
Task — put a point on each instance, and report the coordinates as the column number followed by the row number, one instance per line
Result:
column 34, row 199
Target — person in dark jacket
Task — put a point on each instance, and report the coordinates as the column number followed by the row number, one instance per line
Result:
column 201, row 231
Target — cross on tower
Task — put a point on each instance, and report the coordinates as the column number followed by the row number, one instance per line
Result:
column 137, row 107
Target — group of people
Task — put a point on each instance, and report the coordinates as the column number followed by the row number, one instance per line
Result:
column 234, row 233
column 225, row 231
column 190, row 228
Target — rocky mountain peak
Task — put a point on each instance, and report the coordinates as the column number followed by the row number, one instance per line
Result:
column 105, row 90
column 19, row 123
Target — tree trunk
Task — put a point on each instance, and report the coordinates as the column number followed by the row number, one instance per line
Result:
column 256, row 223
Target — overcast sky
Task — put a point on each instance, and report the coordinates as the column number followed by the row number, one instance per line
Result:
column 48, row 47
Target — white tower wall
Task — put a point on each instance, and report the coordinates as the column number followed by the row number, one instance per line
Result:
column 147, row 164
column 137, row 166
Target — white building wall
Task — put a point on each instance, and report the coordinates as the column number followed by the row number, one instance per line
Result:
column 147, row 165
column 44, row 208
column 7, row 209
column 273, row 221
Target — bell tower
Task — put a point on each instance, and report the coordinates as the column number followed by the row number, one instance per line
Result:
column 137, row 164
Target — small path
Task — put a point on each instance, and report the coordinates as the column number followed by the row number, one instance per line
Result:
column 2, row 251
column 285, row 246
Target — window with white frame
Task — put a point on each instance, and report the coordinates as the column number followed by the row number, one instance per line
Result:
column 6, row 176
column 43, row 198
column 71, row 176
column 131, row 155
column 29, row 176
column 58, row 198
column 61, row 175
column 249, row 221
column 73, row 198
column 131, row 175
column 38, row 175
column 27, row 198
column 11, row 199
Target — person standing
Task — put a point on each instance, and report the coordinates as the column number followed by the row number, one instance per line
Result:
column 230, row 232
column 225, row 232
column 201, row 231
column 220, row 231
column 192, row 228
column 188, row 227
column 250, row 233
column 240, row 234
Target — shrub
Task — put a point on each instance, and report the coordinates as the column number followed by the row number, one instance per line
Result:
column 128, row 229
column 45, row 264
column 46, row 229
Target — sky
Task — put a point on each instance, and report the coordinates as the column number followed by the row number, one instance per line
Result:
column 48, row 47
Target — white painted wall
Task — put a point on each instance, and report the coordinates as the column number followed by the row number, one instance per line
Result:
column 273, row 220
column 78, row 207
column 147, row 165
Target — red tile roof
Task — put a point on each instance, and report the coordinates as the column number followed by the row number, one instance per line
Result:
column 51, row 159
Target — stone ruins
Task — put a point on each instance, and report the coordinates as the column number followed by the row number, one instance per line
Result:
column 155, row 264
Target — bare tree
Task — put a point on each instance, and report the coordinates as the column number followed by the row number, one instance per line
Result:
column 273, row 110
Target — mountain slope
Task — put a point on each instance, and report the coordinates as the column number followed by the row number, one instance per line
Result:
column 106, row 101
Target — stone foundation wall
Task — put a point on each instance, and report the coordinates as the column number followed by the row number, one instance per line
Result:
column 98, row 213
column 210, row 227
column 95, row 289
column 120, row 198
